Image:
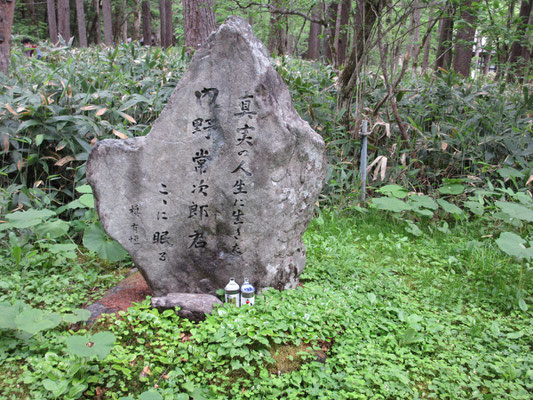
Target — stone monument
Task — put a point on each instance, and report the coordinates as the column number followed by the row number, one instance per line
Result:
column 225, row 183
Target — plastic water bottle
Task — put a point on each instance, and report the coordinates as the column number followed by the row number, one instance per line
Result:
column 232, row 294
column 247, row 293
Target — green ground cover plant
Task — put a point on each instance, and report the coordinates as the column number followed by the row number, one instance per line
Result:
column 381, row 313
column 423, row 292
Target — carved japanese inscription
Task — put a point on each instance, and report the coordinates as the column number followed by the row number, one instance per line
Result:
column 225, row 183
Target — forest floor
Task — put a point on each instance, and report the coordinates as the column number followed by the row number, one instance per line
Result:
column 380, row 314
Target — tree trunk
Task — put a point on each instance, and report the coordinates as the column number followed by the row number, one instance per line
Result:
column 98, row 29
column 52, row 20
column 7, row 10
column 168, row 24
column 198, row 22
column 108, row 22
column 444, row 49
column 413, row 49
column 82, row 32
column 147, row 23
column 313, row 42
column 331, row 32
column 277, row 36
column 343, row 31
column 137, row 20
column 63, row 18
column 464, row 40
column 516, row 60
column 34, row 19
column 124, row 22
column 366, row 14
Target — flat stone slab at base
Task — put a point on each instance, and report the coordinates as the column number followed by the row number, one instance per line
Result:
column 192, row 306
column 132, row 289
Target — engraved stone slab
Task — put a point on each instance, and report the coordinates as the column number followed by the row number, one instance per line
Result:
column 225, row 183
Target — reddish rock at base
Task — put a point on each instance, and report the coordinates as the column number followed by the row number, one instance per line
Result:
column 132, row 289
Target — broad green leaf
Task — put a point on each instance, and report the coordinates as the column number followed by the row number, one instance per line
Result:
column 522, row 304
column 26, row 219
column 508, row 172
column 393, row 190
column 413, row 228
column 8, row 313
column 451, row 188
column 95, row 239
column 67, row 250
column 423, row 201
column 423, row 212
column 52, row 229
column 515, row 335
column 475, row 206
column 34, row 320
column 98, row 345
column 150, row 395
column 84, row 189
column 449, row 207
column 57, row 387
column 127, row 398
column 515, row 210
column 17, row 254
column 390, row 204
column 78, row 315
column 39, row 139
column 513, row 245
column 87, row 200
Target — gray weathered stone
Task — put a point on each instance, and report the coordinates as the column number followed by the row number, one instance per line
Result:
column 225, row 183
column 192, row 306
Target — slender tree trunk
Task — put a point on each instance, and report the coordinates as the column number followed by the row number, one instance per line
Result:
column 413, row 48
column 108, row 22
column 515, row 59
column 331, row 30
column 147, row 23
column 7, row 10
column 168, row 24
column 163, row 23
column 124, row 22
column 277, row 36
column 63, row 18
column 198, row 22
column 82, row 32
column 98, row 29
column 313, row 43
column 444, row 50
column 52, row 20
column 34, row 18
column 343, row 32
column 366, row 14
column 137, row 20
column 464, row 40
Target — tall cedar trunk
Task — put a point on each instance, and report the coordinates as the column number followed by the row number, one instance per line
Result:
column 366, row 14
column 331, row 32
column 108, row 22
column 124, row 22
column 163, row 23
column 464, row 40
column 313, row 43
column 147, row 23
column 277, row 36
column 7, row 9
column 34, row 19
column 137, row 20
column 168, row 24
column 516, row 58
column 63, row 18
column 52, row 20
column 82, row 32
column 444, row 49
column 198, row 22
column 98, row 29
column 343, row 33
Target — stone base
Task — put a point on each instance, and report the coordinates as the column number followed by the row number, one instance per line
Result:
column 192, row 306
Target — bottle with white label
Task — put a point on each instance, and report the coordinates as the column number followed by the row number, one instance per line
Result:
column 247, row 293
column 232, row 294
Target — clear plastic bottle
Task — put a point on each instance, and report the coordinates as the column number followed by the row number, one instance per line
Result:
column 232, row 294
